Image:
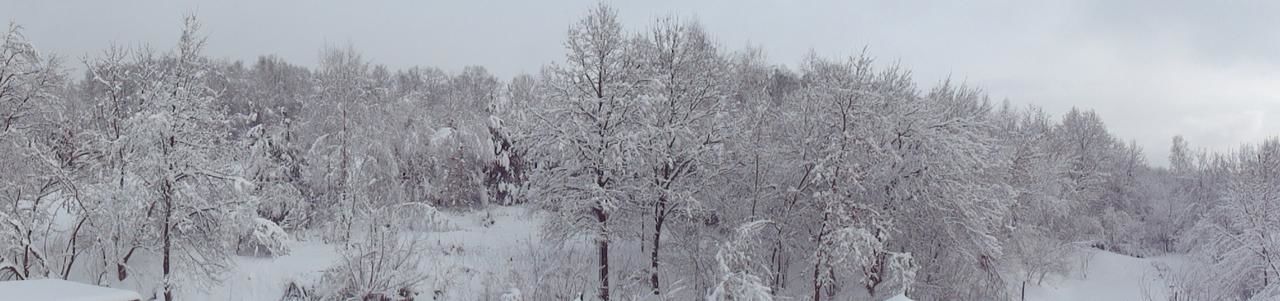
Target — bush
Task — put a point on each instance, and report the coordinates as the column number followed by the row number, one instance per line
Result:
column 297, row 292
column 420, row 217
column 739, row 270
column 1037, row 254
column 382, row 263
column 263, row 239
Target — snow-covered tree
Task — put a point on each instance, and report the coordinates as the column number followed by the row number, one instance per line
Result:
column 274, row 162
column 764, row 171
column 184, row 161
column 741, row 273
column 845, row 231
column 1190, row 187
column 954, row 199
column 112, row 88
column 591, row 123
column 653, row 146
column 512, row 122
column 682, row 124
column 1035, row 239
column 335, row 126
column 41, row 154
column 1237, row 234
column 27, row 78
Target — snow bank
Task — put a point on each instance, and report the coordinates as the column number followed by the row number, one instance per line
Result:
column 62, row 290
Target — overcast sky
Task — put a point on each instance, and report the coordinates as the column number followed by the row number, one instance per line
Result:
column 1152, row 69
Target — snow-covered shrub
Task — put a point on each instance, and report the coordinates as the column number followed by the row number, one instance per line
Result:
column 1198, row 281
column 421, row 217
column 900, row 273
column 382, row 262
column 293, row 291
column 274, row 163
column 1036, row 254
column 488, row 218
column 512, row 295
column 504, row 175
column 282, row 205
column 554, row 272
column 739, row 271
column 458, row 162
column 264, row 238
column 1122, row 233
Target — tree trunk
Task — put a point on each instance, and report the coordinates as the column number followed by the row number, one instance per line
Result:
column 777, row 255
column 1024, row 290
column 820, row 258
column 660, row 216
column 817, row 284
column 167, row 248
column 75, row 252
column 1266, row 279
column 602, row 249
column 875, row 275
column 121, row 271
column 26, row 257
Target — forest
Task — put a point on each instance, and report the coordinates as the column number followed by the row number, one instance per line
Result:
column 648, row 163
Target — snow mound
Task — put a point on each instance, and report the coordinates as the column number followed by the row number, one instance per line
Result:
column 62, row 290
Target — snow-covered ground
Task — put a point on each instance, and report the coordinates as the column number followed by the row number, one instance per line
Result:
column 899, row 298
column 266, row 278
column 1107, row 276
column 479, row 255
column 61, row 290
column 473, row 254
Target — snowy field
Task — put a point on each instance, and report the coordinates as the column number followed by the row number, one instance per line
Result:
column 61, row 290
column 470, row 259
column 1108, row 276
column 475, row 260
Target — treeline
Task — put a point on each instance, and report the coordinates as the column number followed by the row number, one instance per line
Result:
column 738, row 178
column 166, row 164
column 867, row 184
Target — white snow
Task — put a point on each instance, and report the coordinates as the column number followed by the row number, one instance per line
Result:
column 899, row 297
column 441, row 134
column 256, row 278
column 61, row 290
column 512, row 295
column 267, row 235
column 474, row 256
column 1108, row 276
column 465, row 257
